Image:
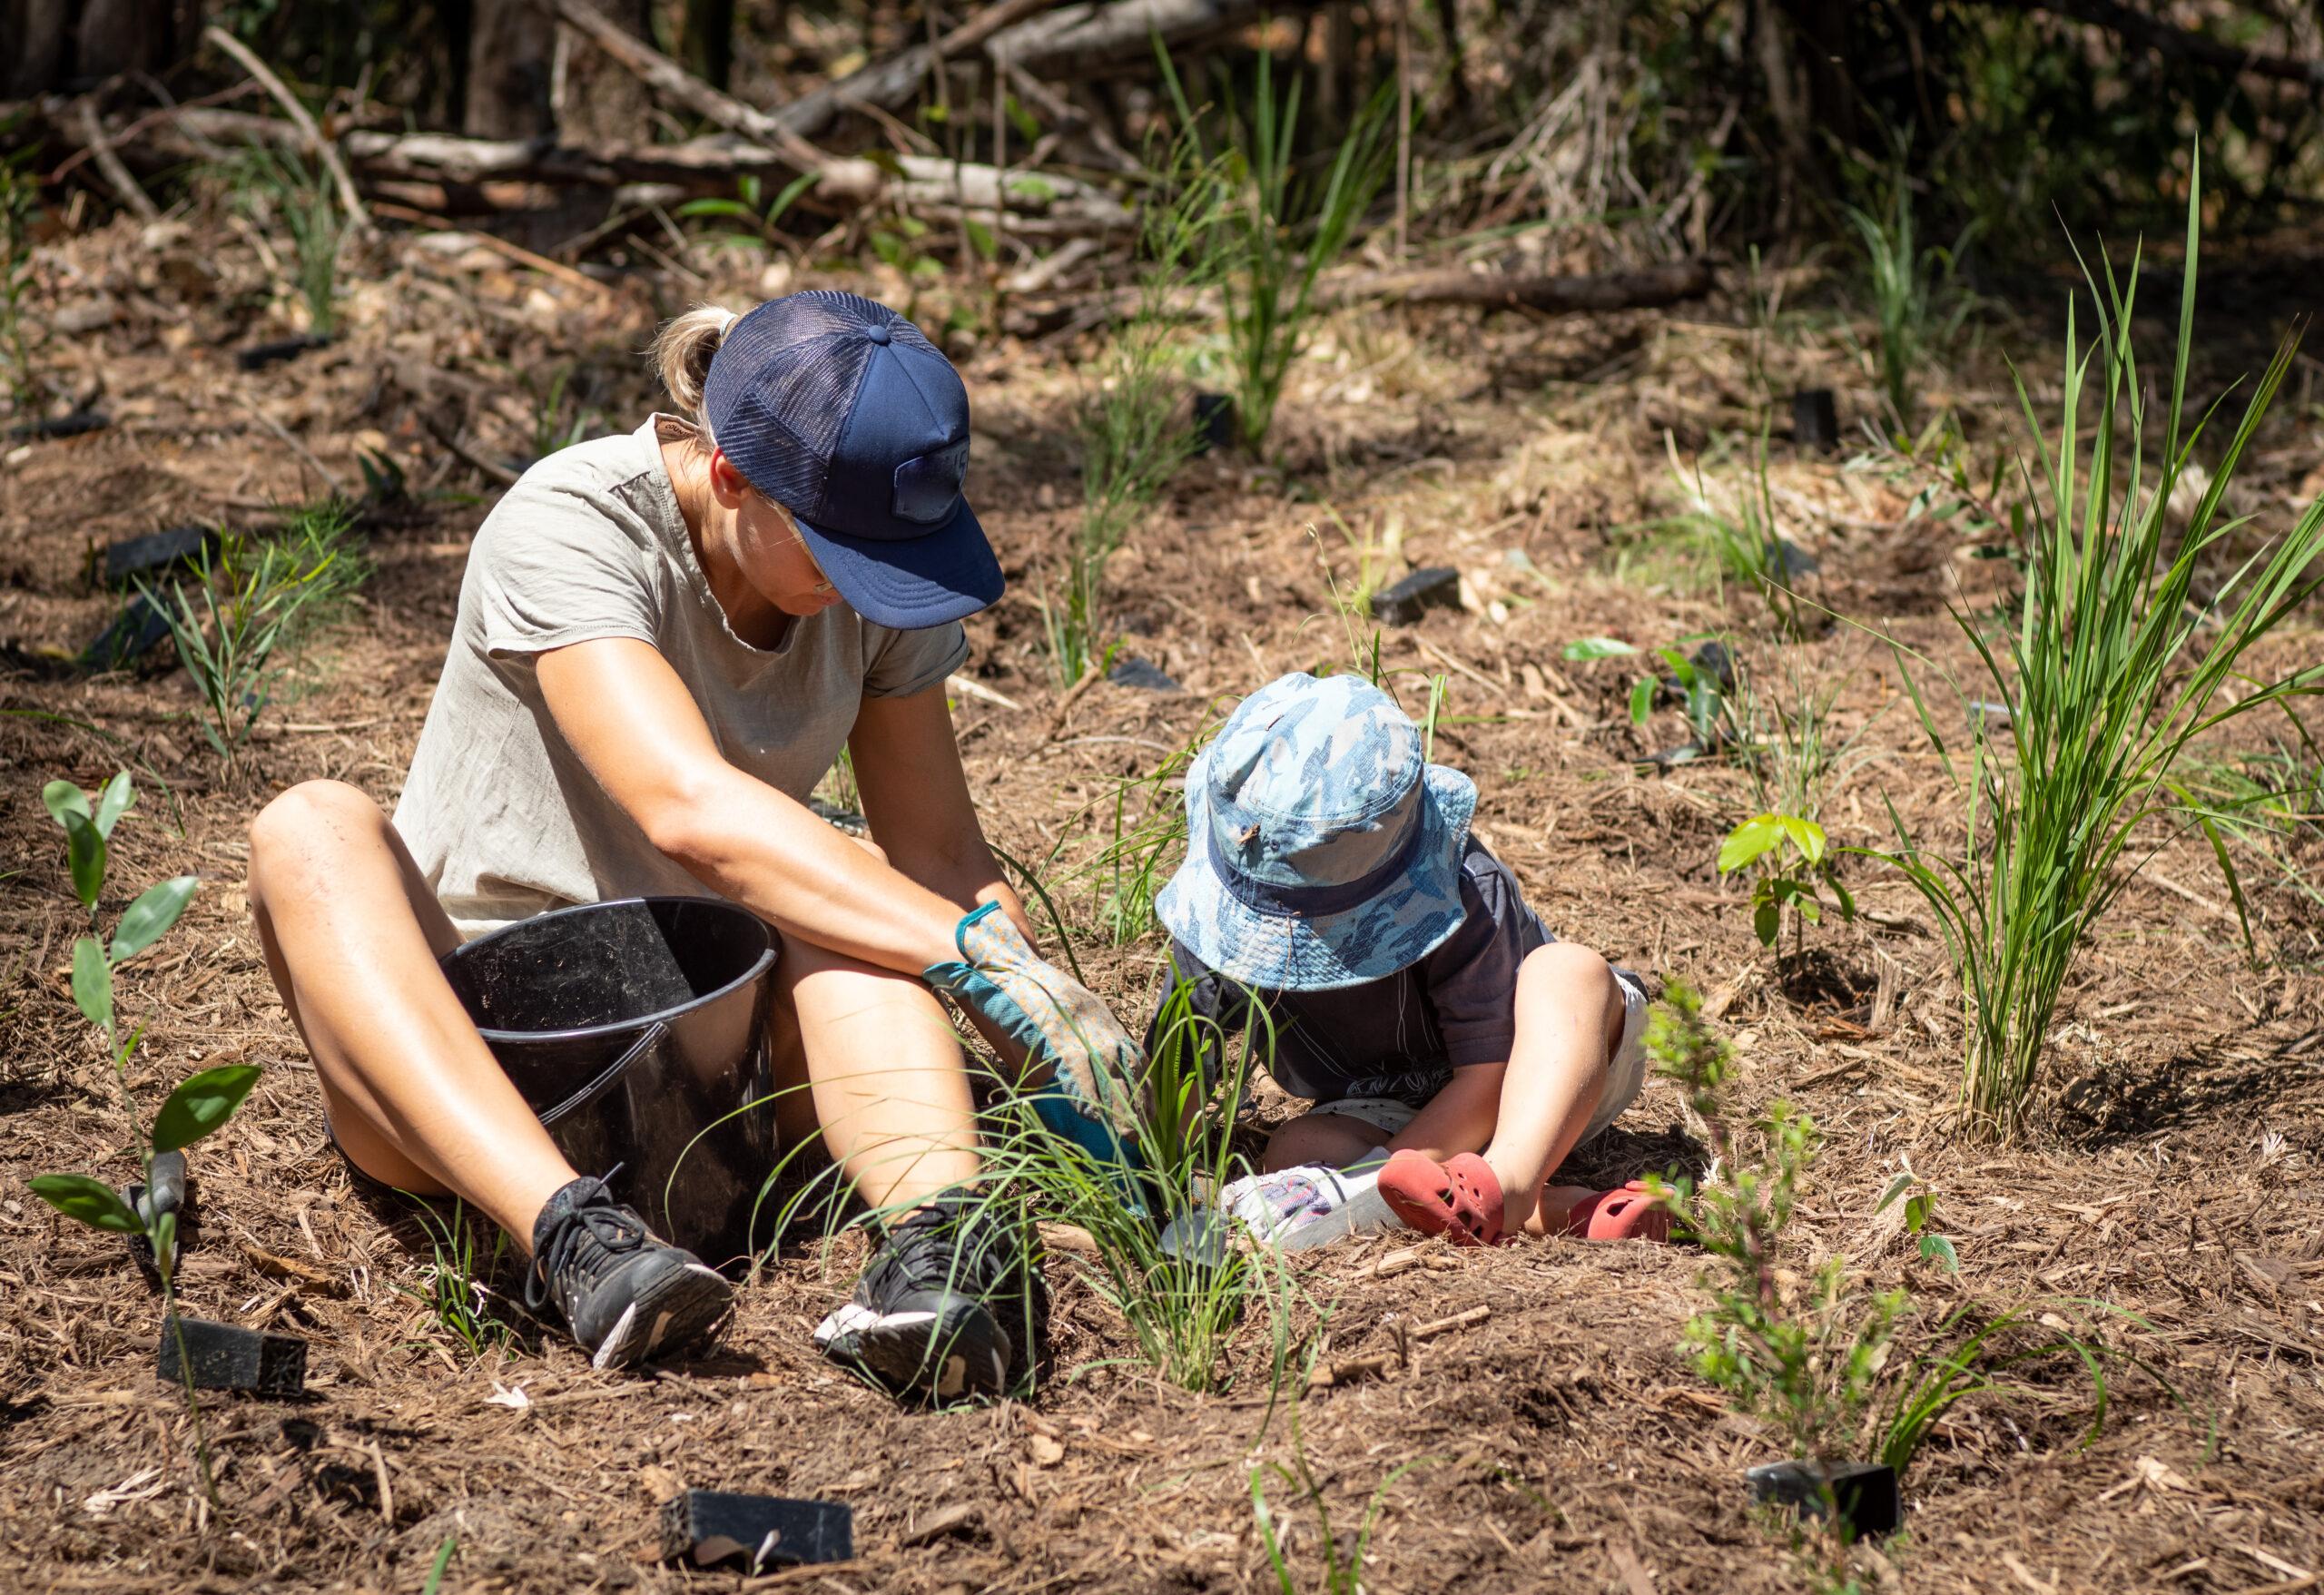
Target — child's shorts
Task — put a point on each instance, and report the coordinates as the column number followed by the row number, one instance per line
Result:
column 1625, row 1076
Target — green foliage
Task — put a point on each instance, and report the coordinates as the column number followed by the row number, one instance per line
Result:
column 1180, row 1303
column 2129, row 645
column 1137, row 427
column 201, row 1103
column 1711, row 716
column 553, row 427
column 1916, row 303
column 755, row 215
column 1738, row 541
column 1792, row 863
column 255, row 598
column 1277, row 231
column 19, row 203
column 1802, row 1352
column 276, row 189
column 451, row 1294
column 1343, row 1562
column 1920, row 1217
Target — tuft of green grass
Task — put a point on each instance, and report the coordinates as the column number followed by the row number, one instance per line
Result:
column 1277, row 231
column 19, row 201
column 255, row 598
column 452, row 1294
column 276, row 189
column 1137, row 428
column 1918, row 305
column 2119, row 662
column 1343, row 1562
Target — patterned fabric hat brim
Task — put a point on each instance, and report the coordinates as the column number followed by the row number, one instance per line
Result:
column 1318, row 952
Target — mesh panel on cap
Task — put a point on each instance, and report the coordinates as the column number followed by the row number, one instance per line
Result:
column 798, row 369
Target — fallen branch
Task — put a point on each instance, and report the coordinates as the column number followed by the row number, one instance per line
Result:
column 1596, row 292
column 110, row 167
column 321, row 146
column 1325, row 1375
column 892, row 82
column 1075, row 43
column 1650, row 287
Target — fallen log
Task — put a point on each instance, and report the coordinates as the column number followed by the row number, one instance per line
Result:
column 1649, row 288
column 892, row 82
column 1075, row 43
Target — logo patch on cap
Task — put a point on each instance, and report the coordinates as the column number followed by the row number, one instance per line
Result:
column 929, row 485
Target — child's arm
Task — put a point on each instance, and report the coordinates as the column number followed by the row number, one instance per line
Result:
column 1459, row 1118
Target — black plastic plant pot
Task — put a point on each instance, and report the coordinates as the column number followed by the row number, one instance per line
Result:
column 1214, row 422
column 1815, row 418
column 636, row 1029
column 1864, row 1494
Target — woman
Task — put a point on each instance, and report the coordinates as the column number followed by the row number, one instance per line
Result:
column 665, row 639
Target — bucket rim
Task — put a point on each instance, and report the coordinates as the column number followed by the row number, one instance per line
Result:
column 759, row 965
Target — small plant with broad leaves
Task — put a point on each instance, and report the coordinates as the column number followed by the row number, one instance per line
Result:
column 1700, row 681
column 202, row 1102
column 1920, row 1217
column 1793, row 864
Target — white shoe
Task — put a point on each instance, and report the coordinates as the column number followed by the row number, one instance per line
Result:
column 1293, row 1210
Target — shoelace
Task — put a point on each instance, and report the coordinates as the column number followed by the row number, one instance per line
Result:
column 612, row 1231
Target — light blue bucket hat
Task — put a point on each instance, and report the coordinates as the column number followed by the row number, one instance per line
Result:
column 1321, row 849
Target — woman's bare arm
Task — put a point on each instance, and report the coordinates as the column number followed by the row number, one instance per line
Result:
column 916, row 798
column 625, row 711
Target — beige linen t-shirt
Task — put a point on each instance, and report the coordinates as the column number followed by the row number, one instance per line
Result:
column 500, row 813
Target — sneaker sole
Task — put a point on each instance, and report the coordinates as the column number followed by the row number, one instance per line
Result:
column 683, row 1309
column 951, row 1355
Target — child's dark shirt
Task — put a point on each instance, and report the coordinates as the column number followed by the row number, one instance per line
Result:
column 1402, row 1034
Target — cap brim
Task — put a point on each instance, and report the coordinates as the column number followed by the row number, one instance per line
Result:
column 911, row 582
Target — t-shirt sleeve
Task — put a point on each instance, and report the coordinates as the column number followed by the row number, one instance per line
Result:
column 1472, row 977
column 906, row 662
column 553, row 565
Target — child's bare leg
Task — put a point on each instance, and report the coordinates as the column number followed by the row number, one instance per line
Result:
column 1569, row 1023
column 1332, row 1140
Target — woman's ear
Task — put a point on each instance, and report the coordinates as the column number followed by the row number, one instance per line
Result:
column 725, row 481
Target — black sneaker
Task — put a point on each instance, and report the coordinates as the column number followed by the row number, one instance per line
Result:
column 626, row 1296
column 949, row 1306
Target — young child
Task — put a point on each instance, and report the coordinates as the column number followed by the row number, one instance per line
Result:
column 1456, row 1052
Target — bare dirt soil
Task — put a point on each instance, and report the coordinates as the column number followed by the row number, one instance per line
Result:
column 1562, row 1442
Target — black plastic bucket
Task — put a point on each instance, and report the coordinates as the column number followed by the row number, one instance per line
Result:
column 633, row 1027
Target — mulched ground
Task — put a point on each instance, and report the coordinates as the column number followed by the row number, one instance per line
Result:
column 1560, row 1442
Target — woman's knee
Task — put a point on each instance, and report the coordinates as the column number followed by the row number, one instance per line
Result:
column 308, row 822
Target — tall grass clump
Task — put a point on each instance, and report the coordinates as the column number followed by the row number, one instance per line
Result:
column 1137, row 428
column 1180, row 1290
column 275, row 189
column 19, row 200
column 1279, row 229
column 2131, row 642
column 1915, row 297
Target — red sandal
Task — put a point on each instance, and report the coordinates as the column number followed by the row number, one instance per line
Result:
column 1459, row 1198
column 1629, row 1214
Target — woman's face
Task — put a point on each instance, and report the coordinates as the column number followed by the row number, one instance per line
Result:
column 773, row 558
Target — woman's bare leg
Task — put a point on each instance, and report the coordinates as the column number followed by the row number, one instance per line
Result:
column 1569, row 1022
column 351, row 936
column 884, row 1081
column 886, row 1085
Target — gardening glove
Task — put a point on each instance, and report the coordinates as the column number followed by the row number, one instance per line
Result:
column 1099, row 1071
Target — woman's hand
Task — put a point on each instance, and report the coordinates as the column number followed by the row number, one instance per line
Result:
column 1060, row 1022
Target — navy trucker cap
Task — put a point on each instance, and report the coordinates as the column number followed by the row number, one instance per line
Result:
column 843, row 412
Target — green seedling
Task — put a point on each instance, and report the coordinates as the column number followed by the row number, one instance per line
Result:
column 201, row 1103
column 1343, row 1562
column 274, row 187
column 254, row 597
column 753, row 215
column 1920, row 1217
column 1792, row 864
